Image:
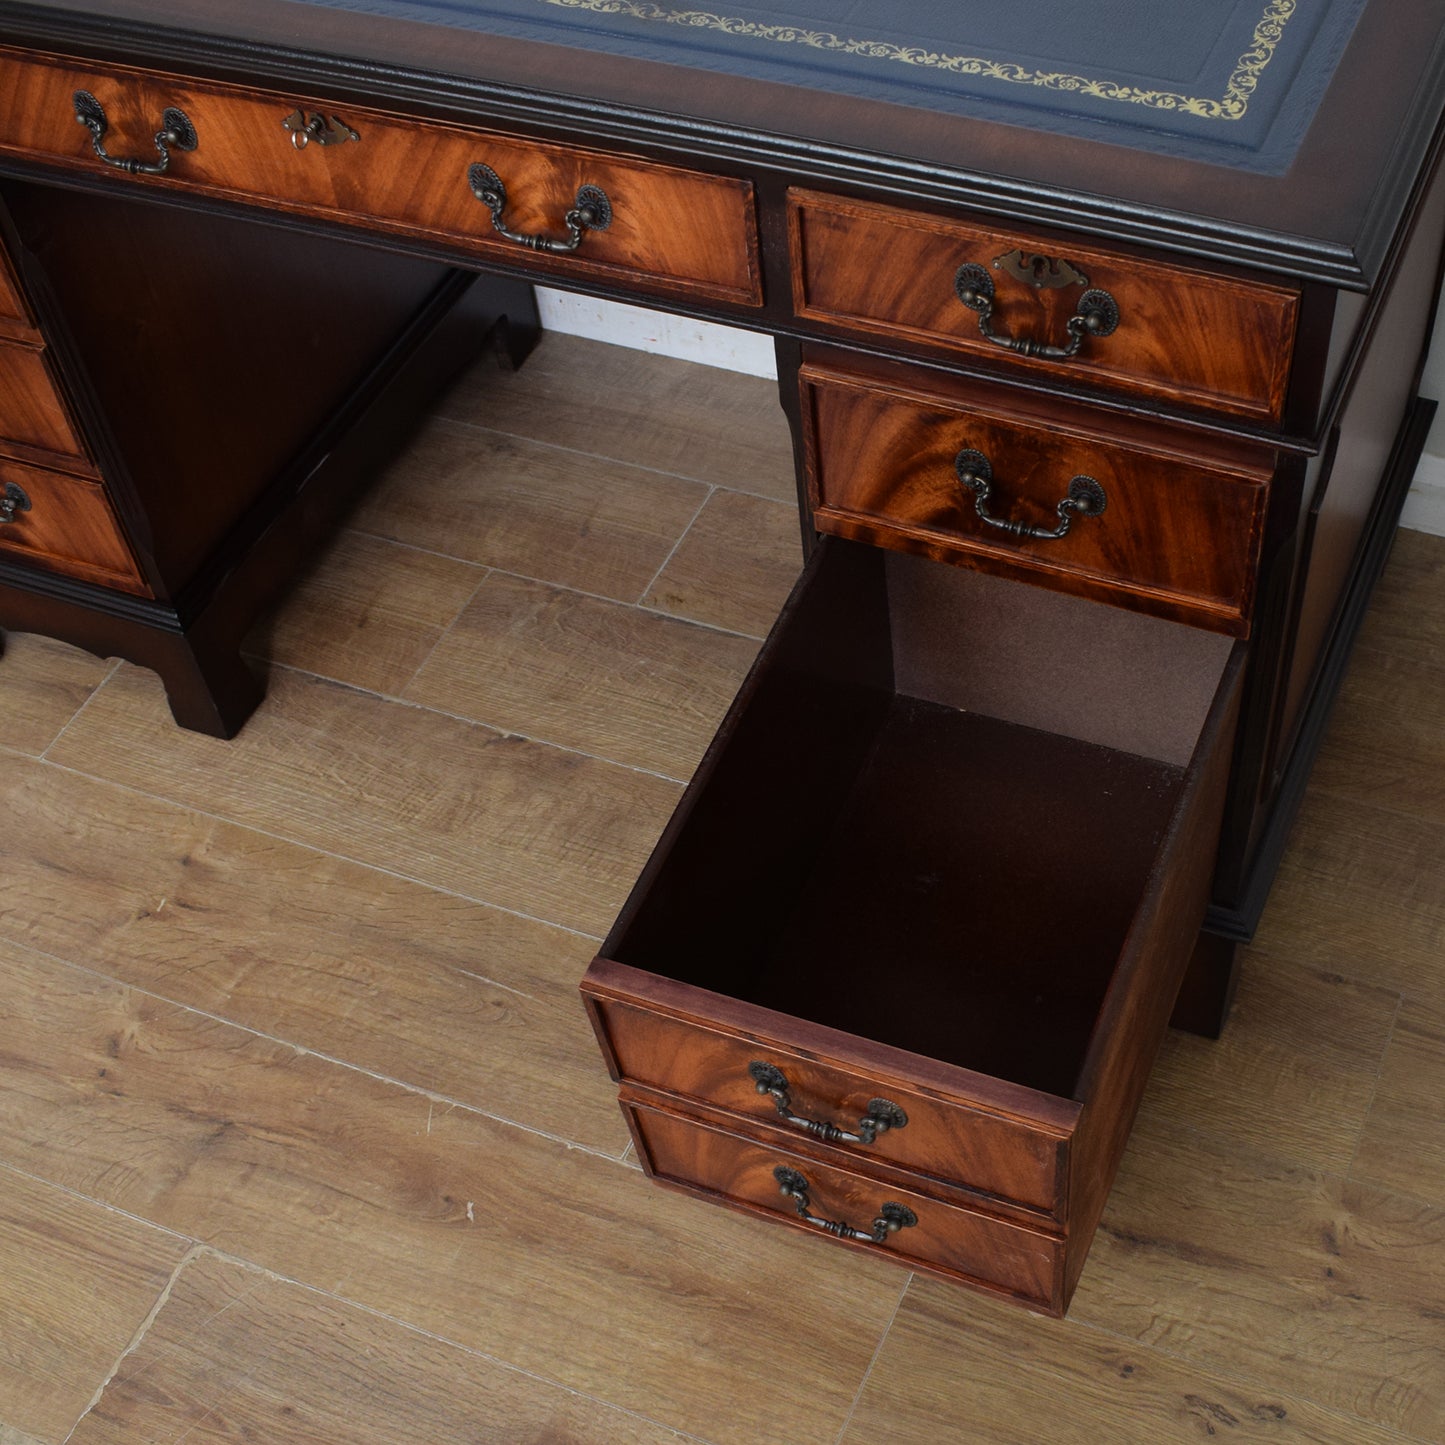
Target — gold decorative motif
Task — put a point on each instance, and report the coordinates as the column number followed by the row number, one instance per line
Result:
column 1232, row 105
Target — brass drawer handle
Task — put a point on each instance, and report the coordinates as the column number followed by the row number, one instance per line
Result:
column 14, row 501
column 882, row 1115
column 1086, row 498
column 891, row 1217
column 591, row 211
column 176, row 133
column 1097, row 314
column 324, row 130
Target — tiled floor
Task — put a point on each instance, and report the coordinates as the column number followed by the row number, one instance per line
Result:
column 304, row 1137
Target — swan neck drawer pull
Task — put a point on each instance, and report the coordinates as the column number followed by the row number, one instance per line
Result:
column 324, row 130
column 882, row 1115
column 1095, row 315
column 1086, row 498
column 591, row 211
column 176, row 134
column 891, row 1217
column 15, row 501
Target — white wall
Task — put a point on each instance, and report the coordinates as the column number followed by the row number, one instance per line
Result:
column 1425, row 506
column 748, row 352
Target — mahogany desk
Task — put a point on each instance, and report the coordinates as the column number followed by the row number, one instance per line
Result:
column 1102, row 376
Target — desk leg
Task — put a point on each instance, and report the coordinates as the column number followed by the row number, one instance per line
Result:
column 1208, row 989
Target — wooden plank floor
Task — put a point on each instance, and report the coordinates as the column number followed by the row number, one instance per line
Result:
column 304, row 1138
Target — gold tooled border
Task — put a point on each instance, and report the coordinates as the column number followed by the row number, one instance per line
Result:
column 1230, row 106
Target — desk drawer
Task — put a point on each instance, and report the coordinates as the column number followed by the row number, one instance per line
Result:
column 670, row 230
column 1013, row 1152
column 1182, row 518
column 917, row 1231
column 951, row 847
column 34, row 420
column 15, row 320
column 65, row 525
column 1206, row 340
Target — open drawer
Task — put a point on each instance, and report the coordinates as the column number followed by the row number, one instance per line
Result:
column 923, row 912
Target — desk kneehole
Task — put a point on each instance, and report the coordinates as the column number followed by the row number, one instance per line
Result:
column 952, row 848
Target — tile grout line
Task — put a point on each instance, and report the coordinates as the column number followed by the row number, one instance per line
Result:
column 140, row 1333
column 415, row 706
column 545, row 582
column 666, row 561
column 331, row 853
column 626, row 462
column 873, row 1360
column 445, row 633
column 70, row 722
column 276, row 1277
column 419, row 1091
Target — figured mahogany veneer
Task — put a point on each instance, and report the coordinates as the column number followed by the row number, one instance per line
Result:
column 1186, row 334
column 16, row 322
column 69, row 527
column 35, row 423
column 886, row 880
column 1007, row 1145
column 671, row 230
column 1183, row 522
column 703, row 1155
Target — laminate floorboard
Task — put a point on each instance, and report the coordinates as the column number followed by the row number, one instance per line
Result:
column 304, row 1135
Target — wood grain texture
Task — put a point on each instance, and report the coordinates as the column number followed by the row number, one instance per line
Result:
column 238, row 1355
column 1346, row 858
column 1179, row 536
column 734, row 567
column 553, row 1259
column 368, row 614
column 955, row 1364
column 1403, row 1143
column 475, row 811
column 1274, row 1273
column 42, row 684
column 732, row 1168
column 70, row 527
column 612, row 681
column 1386, row 746
column 1210, row 1310
column 966, row 1135
column 33, row 415
column 672, row 229
column 77, row 1281
column 710, row 425
column 1292, row 1075
column 1197, row 336
column 467, row 1002
column 556, row 515
column 16, row 321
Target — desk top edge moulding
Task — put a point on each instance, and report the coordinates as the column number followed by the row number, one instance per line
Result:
column 1296, row 183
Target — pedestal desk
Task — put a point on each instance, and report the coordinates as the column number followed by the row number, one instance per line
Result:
column 1100, row 350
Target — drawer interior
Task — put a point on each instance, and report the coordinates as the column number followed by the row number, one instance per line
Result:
column 932, row 814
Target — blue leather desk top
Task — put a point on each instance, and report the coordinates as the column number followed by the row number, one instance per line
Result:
column 1231, row 82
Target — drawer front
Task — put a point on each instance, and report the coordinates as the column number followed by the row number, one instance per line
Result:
column 15, row 318
column 1178, row 536
column 956, row 1141
column 33, row 417
column 964, row 1245
column 65, row 525
column 1190, row 336
column 671, row 230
